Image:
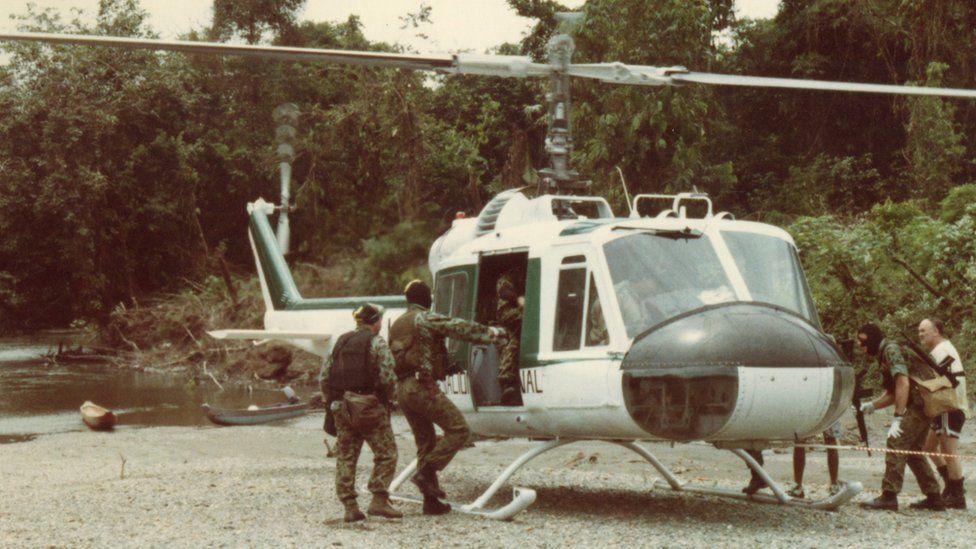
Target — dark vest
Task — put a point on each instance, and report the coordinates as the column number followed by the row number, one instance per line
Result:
column 351, row 369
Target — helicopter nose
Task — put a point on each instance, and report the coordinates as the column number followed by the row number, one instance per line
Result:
column 735, row 371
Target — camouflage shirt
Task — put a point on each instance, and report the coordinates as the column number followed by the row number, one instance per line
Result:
column 433, row 328
column 508, row 314
column 379, row 354
column 892, row 361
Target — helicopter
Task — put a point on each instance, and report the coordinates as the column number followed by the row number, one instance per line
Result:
column 670, row 324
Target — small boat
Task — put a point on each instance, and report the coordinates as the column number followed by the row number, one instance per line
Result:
column 254, row 415
column 96, row 417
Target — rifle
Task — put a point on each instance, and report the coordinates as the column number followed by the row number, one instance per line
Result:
column 847, row 347
column 943, row 368
column 859, row 393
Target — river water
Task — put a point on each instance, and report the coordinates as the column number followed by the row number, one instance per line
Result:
column 37, row 398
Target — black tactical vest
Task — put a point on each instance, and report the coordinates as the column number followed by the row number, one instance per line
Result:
column 351, row 368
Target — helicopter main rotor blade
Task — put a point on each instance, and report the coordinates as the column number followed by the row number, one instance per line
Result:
column 620, row 73
column 492, row 65
column 285, row 53
column 801, row 84
column 488, row 65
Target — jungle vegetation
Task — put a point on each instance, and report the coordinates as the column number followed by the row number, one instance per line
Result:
column 124, row 174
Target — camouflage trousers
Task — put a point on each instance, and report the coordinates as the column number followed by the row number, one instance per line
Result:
column 424, row 405
column 508, row 366
column 914, row 429
column 349, row 443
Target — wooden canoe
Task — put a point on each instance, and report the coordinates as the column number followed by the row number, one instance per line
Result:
column 256, row 415
column 96, row 417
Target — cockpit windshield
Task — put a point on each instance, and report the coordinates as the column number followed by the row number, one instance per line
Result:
column 656, row 277
column 772, row 271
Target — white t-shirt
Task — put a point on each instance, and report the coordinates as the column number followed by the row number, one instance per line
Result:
column 939, row 353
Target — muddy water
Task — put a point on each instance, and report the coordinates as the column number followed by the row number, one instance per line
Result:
column 37, row 398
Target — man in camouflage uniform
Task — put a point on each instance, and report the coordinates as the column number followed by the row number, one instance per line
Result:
column 909, row 427
column 361, row 363
column 509, row 317
column 417, row 341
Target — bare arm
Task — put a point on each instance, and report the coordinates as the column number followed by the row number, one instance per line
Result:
column 884, row 400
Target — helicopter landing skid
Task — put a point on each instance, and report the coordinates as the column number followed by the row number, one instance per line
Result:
column 522, row 498
column 779, row 497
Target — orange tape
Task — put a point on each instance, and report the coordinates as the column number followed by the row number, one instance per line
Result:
column 884, row 450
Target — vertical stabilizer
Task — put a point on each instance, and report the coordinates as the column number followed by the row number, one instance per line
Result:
column 277, row 284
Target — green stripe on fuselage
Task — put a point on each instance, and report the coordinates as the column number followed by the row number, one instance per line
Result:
column 529, row 348
column 281, row 285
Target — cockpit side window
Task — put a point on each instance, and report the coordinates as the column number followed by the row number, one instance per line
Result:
column 449, row 295
column 569, row 309
column 596, row 326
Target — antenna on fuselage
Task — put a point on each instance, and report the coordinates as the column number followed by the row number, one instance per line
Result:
column 623, row 183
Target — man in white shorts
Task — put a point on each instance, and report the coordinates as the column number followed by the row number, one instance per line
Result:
column 944, row 432
column 831, row 436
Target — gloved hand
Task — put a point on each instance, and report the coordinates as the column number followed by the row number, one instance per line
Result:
column 867, row 408
column 895, row 430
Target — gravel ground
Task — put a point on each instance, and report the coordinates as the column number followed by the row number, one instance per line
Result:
column 273, row 486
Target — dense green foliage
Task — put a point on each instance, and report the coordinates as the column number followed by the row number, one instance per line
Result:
column 125, row 173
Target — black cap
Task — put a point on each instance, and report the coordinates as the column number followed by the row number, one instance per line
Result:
column 368, row 313
column 418, row 292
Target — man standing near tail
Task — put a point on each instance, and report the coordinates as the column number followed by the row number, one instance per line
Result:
column 358, row 385
column 417, row 342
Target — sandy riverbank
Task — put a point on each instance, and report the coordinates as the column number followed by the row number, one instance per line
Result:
column 272, row 486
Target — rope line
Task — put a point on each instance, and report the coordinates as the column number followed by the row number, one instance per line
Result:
column 884, row 450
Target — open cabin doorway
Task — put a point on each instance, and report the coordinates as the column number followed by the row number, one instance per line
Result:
column 486, row 360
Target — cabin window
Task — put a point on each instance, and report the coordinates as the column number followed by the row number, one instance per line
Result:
column 450, row 294
column 449, row 297
column 569, row 310
column 596, row 326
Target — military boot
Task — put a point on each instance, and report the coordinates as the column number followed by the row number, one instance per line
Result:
column 435, row 487
column 887, row 501
column 434, row 506
column 956, row 497
column 380, row 507
column 426, row 480
column 353, row 513
column 932, row 502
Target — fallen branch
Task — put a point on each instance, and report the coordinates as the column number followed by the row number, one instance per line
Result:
column 189, row 333
column 122, row 470
column 925, row 283
column 211, row 375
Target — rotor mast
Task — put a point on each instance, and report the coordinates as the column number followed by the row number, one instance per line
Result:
column 559, row 177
